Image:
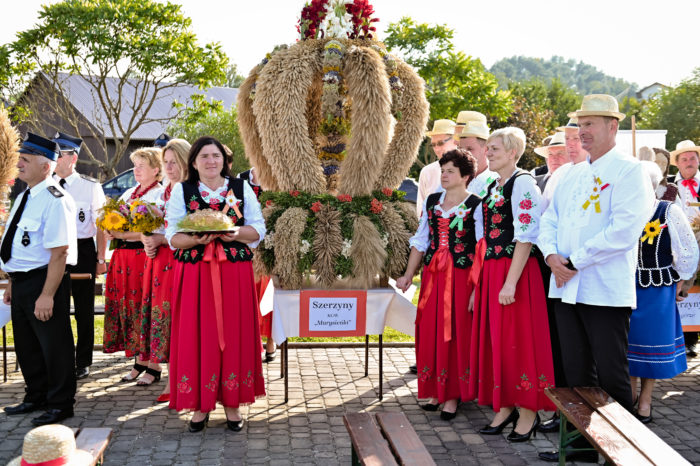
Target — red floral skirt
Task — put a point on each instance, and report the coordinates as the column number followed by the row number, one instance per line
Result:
column 265, row 320
column 124, row 286
column 155, row 307
column 201, row 373
column 511, row 356
column 443, row 366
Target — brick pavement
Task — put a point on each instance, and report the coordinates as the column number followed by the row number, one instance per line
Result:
column 324, row 384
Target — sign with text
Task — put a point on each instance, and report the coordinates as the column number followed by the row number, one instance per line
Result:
column 689, row 309
column 332, row 313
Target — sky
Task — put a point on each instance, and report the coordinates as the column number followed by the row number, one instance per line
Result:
column 641, row 41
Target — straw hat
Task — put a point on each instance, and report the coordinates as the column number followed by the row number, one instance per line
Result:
column 684, row 146
column 558, row 140
column 49, row 443
column 598, row 105
column 572, row 124
column 442, row 127
column 474, row 129
column 468, row 116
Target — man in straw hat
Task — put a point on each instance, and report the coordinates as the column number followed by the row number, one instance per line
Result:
column 555, row 156
column 687, row 158
column 588, row 236
column 472, row 136
column 441, row 140
column 52, row 445
column 39, row 241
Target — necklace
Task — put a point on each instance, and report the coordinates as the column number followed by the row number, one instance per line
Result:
column 136, row 194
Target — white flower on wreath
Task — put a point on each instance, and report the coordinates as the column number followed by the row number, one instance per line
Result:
column 385, row 240
column 347, row 244
column 337, row 23
column 305, row 247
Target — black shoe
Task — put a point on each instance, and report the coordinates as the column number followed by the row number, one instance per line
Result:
column 516, row 437
column 447, row 416
column 430, row 406
column 413, row 369
column 690, row 351
column 269, row 357
column 198, row 426
column 551, row 425
column 495, row 430
column 138, row 367
column 577, row 456
column 24, row 408
column 52, row 416
column 644, row 419
column 82, row 372
column 235, row 426
column 153, row 373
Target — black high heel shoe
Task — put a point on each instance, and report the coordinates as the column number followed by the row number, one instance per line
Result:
column 516, row 437
column 430, row 407
column 644, row 419
column 448, row 416
column 198, row 426
column 235, row 426
column 495, row 430
column 137, row 367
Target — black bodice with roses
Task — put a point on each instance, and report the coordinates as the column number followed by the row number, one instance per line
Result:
column 460, row 241
column 499, row 231
column 235, row 251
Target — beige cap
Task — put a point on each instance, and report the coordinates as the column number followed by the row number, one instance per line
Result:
column 684, row 146
column 598, row 105
column 558, row 140
column 442, row 127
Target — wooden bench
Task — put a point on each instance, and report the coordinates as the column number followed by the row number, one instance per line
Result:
column 393, row 441
column 611, row 429
column 93, row 440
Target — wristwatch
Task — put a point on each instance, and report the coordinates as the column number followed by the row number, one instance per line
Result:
column 570, row 265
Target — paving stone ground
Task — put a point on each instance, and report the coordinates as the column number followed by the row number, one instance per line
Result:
column 324, row 384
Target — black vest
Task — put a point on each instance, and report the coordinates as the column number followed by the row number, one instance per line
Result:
column 498, row 221
column 655, row 261
column 256, row 189
column 235, row 250
column 461, row 242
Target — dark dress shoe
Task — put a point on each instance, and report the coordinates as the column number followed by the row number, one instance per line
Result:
column 577, row 456
column 235, row 426
column 198, row 426
column 413, row 369
column 24, row 408
column 516, row 437
column 495, row 430
column 447, row 416
column 551, row 425
column 52, row 416
column 430, row 406
column 82, row 372
column 644, row 419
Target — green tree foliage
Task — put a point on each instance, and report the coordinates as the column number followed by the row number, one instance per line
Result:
column 453, row 80
column 232, row 78
column 631, row 107
column 221, row 124
column 148, row 46
column 676, row 110
column 584, row 78
column 552, row 95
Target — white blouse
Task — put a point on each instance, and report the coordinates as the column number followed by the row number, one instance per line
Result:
column 421, row 240
column 251, row 208
column 525, row 202
column 684, row 246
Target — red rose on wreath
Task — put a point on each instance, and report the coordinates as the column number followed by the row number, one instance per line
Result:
column 497, row 218
column 497, row 249
column 344, row 198
column 459, row 248
column 495, row 233
column 461, row 233
column 268, row 203
column 526, row 204
column 387, row 192
column 194, row 205
column 375, row 206
column 316, row 206
column 294, row 193
column 525, row 218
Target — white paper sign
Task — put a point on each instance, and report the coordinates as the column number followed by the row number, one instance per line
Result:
column 689, row 309
column 332, row 314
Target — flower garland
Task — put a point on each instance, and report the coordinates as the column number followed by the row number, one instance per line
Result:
column 336, row 18
column 395, row 83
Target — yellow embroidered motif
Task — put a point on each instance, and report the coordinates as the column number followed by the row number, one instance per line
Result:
column 595, row 196
column 651, row 231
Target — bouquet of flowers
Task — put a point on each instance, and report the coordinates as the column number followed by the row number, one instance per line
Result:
column 207, row 220
column 114, row 216
column 145, row 217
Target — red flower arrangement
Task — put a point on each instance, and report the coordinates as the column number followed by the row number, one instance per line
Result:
column 344, row 198
column 294, row 193
column 361, row 12
column 268, row 203
column 316, row 206
column 375, row 206
column 311, row 16
column 387, row 192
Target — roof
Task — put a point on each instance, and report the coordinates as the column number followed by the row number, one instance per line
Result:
column 80, row 93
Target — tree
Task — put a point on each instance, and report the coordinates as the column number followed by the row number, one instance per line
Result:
column 676, row 110
column 232, row 78
column 551, row 95
column 146, row 46
column 223, row 125
column 631, row 107
column 453, row 80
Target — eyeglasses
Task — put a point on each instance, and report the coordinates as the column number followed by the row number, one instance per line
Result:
column 440, row 143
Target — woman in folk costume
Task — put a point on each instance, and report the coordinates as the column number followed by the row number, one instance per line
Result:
column 156, row 302
column 667, row 254
column 445, row 241
column 124, row 281
column 215, row 340
column 511, row 354
column 261, row 282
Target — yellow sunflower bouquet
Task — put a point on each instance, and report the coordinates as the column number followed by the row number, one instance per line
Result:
column 114, row 216
column 145, row 217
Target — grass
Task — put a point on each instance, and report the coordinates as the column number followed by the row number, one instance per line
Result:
column 390, row 335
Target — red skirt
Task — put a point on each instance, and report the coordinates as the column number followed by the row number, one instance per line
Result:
column 124, row 286
column 200, row 372
column 155, row 307
column 443, row 366
column 265, row 320
column 511, row 356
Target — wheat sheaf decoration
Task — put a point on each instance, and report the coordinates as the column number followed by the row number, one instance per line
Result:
column 332, row 124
